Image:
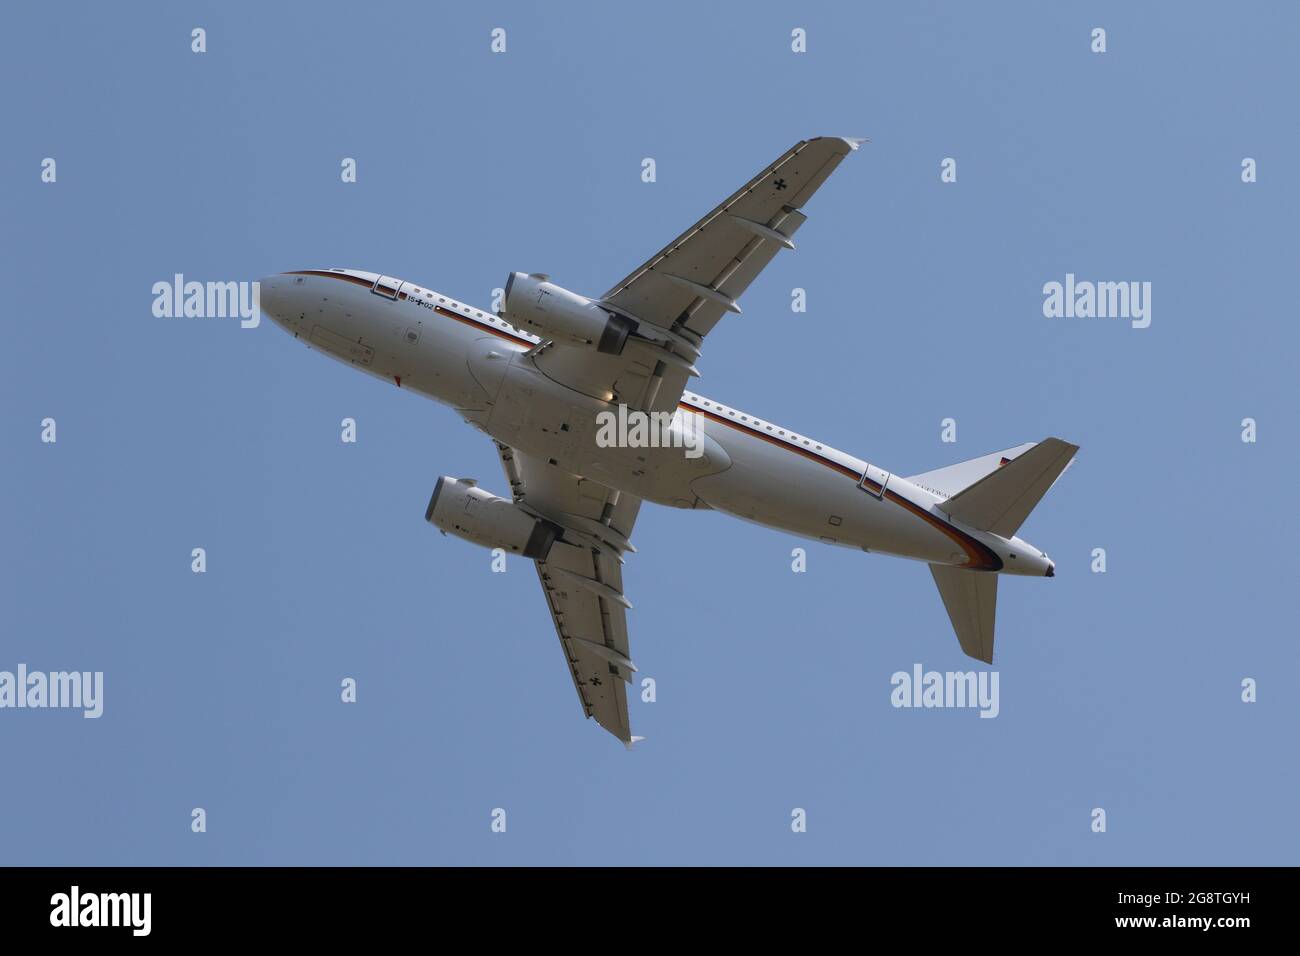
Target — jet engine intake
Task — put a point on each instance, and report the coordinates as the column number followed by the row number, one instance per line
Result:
column 460, row 507
column 535, row 304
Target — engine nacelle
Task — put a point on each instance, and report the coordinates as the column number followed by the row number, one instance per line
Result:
column 461, row 508
column 534, row 303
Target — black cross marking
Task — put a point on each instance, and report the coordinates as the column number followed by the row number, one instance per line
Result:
column 780, row 184
column 596, row 681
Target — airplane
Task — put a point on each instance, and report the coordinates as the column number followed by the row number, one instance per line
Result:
column 542, row 378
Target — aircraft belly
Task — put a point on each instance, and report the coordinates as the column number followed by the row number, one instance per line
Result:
column 534, row 414
column 777, row 486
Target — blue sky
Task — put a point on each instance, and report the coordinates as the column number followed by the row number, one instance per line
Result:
column 1118, row 690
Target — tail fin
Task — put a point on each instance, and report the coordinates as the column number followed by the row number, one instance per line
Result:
column 1006, row 487
column 1001, row 500
column 971, row 598
column 947, row 482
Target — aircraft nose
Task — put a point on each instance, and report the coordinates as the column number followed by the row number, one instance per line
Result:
column 274, row 297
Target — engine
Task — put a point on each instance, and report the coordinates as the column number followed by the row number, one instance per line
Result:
column 461, row 508
column 534, row 303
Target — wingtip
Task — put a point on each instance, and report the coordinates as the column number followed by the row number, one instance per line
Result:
column 632, row 740
column 852, row 142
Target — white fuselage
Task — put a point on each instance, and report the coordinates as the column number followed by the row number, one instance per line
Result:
column 478, row 364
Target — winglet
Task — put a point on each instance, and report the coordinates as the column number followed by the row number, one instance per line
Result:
column 632, row 740
column 855, row 141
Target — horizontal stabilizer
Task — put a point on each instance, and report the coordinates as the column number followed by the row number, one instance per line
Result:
column 1001, row 500
column 971, row 598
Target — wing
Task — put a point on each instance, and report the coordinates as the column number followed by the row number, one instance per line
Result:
column 690, row 284
column 582, row 578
